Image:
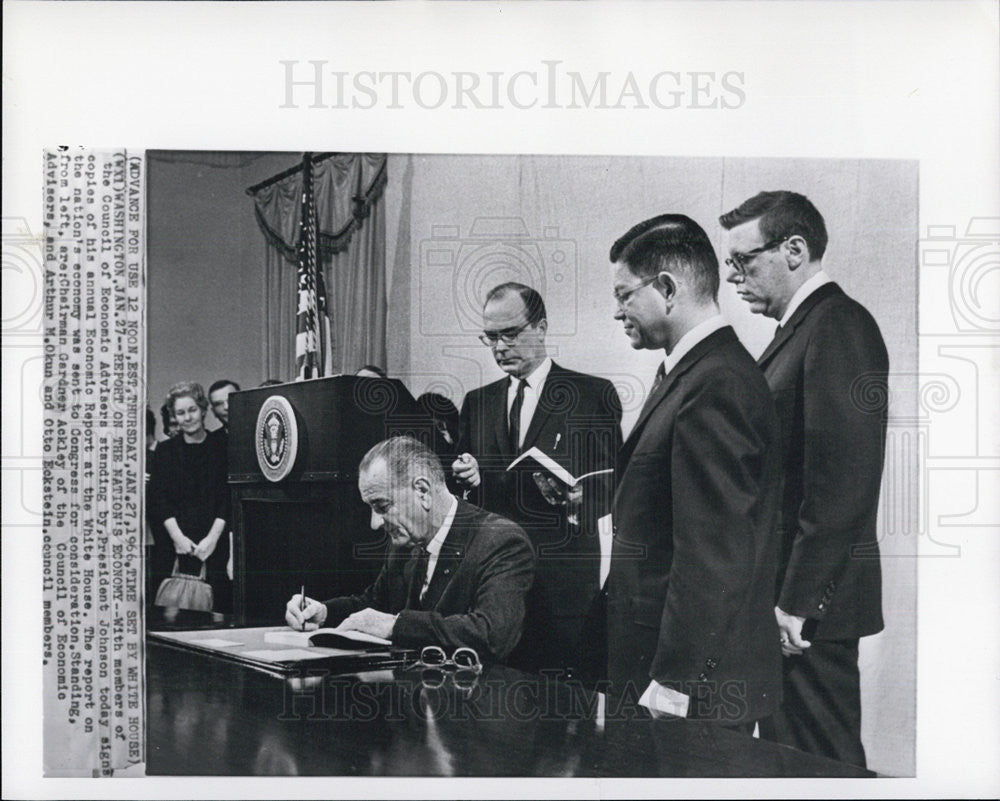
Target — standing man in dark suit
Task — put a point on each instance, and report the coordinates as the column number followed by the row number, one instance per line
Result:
column 455, row 575
column 576, row 420
column 826, row 358
column 690, row 596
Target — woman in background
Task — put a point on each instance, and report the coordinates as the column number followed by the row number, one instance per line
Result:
column 190, row 496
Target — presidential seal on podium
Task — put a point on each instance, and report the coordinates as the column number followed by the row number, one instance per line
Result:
column 277, row 438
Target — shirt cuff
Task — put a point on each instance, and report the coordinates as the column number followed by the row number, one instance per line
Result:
column 665, row 699
column 605, row 539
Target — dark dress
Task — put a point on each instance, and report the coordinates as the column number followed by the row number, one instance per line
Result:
column 189, row 484
column 157, row 565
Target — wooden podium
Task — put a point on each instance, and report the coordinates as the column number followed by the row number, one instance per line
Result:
column 310, row 527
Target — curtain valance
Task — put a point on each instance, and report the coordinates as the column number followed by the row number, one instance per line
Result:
column 345, row 186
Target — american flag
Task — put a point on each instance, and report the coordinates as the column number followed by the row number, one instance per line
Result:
column 313, row 346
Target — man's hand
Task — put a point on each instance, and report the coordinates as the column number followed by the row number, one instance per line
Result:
column 466, row 469
column 371, row 621
column 790, row 627
column 558, row 494
column 308, row 619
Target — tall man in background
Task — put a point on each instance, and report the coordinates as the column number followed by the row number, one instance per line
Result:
column 826, row 359
column 690, row 595
column 576, row 420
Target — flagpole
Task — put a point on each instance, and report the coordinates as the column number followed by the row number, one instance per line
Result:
column 307, row 327
column 316, row 159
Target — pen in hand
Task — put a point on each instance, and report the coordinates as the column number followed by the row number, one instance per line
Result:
column 302, row 605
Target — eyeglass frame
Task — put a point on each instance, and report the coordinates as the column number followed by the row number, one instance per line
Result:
column 477, row 667
column 739, row 261
column 621, row 298
column 508, row 336
column 465, row 680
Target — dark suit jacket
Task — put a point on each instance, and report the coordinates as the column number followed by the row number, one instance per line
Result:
column 477, row 593
column 578, row 423
column 690, row 595
column 827, row 372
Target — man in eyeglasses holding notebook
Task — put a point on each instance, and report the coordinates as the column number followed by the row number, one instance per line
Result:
column 571, row 417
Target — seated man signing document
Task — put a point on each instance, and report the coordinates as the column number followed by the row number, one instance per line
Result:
column 454, row 575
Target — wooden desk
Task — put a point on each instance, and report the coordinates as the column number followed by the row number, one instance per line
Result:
column 206, row 716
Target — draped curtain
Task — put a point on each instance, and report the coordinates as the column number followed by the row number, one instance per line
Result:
column 348, row 190
column 280, row 301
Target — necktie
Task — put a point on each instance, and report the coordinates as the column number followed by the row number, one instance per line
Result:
column 514, row 420
column 419, row 575
column 661, row 373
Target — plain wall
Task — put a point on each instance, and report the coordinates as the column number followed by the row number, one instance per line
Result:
column 205, row 270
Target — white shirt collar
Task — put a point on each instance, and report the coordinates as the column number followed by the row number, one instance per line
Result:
column 692, row 338
column 536, row 377
column 803, row 292
column 434, row 546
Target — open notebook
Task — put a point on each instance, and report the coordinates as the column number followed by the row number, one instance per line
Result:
column 279, row 649
column 326, row 638
column 540, row 461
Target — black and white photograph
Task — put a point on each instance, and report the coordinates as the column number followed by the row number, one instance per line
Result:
column 403, row 306
column 456, row 423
